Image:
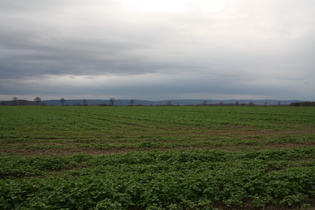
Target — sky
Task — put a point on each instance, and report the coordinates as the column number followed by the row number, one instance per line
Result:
column 157, row 50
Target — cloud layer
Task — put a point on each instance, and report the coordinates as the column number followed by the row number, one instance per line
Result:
column 229, row 49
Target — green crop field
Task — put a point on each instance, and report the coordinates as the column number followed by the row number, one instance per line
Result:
column 157, row 157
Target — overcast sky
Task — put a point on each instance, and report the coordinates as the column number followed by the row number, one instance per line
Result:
column 157, row 49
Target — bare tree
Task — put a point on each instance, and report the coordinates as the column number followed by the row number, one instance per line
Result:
column 251, row 103
column 21, row 102
column 204, row 103
column 14, row 100
column 169, row 103
column 62, row 100
column 112, row 101
column 132, row 101
column 37, row 100
column 84, row 102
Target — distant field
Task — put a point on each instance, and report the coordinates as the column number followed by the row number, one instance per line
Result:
column 157, row 157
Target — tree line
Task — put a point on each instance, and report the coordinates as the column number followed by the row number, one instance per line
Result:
column 111, row 102
column 306, row 103
column 20, row 102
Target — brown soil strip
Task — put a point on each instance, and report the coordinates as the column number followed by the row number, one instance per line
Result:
column 73, row 151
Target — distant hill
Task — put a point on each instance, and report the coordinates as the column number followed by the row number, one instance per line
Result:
column 125, row 102
column 181, row 102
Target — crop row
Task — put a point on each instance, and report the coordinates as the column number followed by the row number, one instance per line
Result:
column 239, row 173
column 157, row 180
column 232, row 187
column 102, row 119
column 144, row 128
column 15, row 166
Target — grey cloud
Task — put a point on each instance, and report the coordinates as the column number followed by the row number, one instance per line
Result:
column 244, row 48
column 76, row 57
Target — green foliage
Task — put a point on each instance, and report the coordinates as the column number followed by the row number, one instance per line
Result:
column 106, row 128
column 216, row 157
column 159, row 180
